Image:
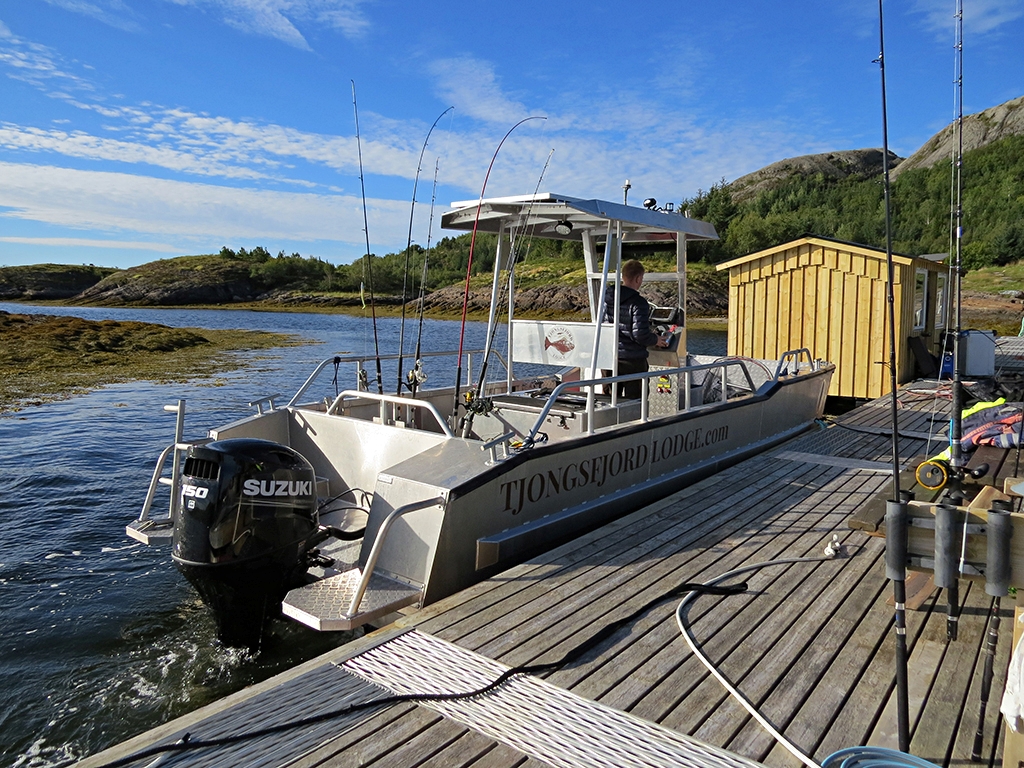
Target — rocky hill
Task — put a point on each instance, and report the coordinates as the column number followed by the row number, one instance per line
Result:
column 979, row 130
column 831, row 165
column 43, row 282
column 181, row 281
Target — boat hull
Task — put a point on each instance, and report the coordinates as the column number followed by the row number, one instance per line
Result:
column 500, row 512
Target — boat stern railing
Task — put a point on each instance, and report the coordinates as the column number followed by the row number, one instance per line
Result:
column 378, row 545
column 393, row 400
column 794, row 356
column 150, row 530
column 360, row 369
column 724, row 366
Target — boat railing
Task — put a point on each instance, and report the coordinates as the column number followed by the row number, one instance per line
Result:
column 394, row 401
column 144, row 528
column 723, row 366
column 378, row 545
column 360, row 360
column 793, row 357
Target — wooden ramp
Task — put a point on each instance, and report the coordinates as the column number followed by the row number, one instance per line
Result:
column 809, row 643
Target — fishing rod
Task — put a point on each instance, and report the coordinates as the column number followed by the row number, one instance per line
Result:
column 369, row 259
column 416, row 376
column 499, row 298
column 469, row 264
column 954, row 491
column 896, row 509
column 408, row 248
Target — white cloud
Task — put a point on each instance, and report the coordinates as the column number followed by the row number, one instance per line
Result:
column 277, row 18
column 82, row 145
column 110, row 202
column 980, row 16
column 36, row 64
column 81, row 242
column 114, row 13
column 472, row 86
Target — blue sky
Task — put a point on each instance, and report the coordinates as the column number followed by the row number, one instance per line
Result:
column 132, row 130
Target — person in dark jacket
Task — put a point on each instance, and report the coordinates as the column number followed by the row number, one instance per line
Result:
column 635, row 334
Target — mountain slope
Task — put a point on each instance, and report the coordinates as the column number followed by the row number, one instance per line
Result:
column 979, row 130
column 830, row 165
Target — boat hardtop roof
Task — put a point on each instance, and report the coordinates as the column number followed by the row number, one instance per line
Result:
column 542, row 212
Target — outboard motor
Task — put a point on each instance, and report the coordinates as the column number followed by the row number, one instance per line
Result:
column 244, row 520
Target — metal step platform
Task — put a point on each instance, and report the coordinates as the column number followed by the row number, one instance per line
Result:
column 324, row 605
column 151, row 530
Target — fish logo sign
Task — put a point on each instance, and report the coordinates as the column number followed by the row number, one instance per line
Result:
column 561, row 340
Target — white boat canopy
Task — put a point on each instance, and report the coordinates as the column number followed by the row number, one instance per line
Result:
column 603, row 228
column 561, row 217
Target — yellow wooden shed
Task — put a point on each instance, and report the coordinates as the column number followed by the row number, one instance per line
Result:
column 830, row 297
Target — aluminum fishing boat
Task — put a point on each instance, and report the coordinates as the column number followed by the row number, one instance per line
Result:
column 341, row 508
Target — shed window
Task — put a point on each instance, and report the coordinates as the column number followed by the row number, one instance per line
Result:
column 920, row 299
column 940, row 300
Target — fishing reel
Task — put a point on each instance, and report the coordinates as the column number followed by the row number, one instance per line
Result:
column 478, row 405
column 933, row 474
column 415, row 377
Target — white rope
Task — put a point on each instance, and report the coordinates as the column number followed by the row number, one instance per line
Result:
column 695, row 647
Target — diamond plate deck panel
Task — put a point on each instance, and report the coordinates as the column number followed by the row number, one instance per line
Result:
column 323, row 604
column 539, row 719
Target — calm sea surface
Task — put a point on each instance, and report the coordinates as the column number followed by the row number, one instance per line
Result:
column 100, row 637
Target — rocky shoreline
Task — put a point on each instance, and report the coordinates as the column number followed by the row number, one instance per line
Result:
column 35, row 351
column 222, row 283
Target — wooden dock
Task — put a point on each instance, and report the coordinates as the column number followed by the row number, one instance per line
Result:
column 811, row 644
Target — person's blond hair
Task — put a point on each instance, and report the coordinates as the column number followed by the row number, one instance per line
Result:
column 632, row 269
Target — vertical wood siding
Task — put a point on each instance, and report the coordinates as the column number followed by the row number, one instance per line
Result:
column 831, row 300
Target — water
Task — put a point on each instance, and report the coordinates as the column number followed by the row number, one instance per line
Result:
column 101, row 638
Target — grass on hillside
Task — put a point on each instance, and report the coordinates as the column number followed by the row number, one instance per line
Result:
column 46, row 358
column 995, row 279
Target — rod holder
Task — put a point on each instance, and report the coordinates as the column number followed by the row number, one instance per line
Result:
column 945, row 549
column 997, row 571
column 896, row 540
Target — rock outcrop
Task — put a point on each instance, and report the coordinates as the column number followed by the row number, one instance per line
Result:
column 44, row 282
column 979, row 129
column 175, row 282
column 831, row 165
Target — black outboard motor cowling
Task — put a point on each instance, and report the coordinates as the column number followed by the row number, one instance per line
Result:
column 245, row 516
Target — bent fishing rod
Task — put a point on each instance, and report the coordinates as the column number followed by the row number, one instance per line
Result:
column 416, row 376
column 408, row 248
column 506, row 291
column 469, row 264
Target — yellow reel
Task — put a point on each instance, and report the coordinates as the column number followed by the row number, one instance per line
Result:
column 932, row 474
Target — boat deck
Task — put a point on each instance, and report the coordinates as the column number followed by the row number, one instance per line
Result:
column 811, row 644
